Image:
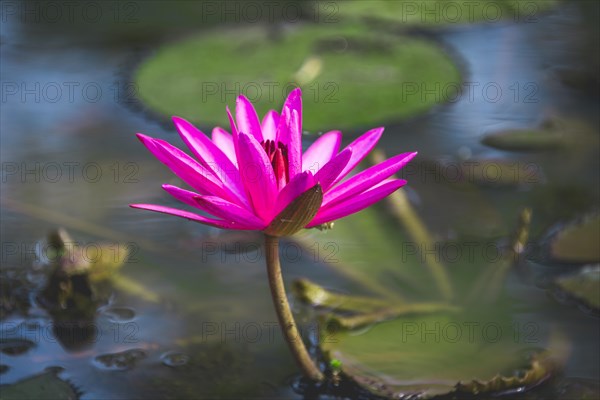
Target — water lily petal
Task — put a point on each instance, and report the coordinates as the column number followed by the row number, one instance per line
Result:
column 216, row 206
column 191, row 216
column 234, row 130
column 295, row 145
column 223, row 140
column 289, row 131
column 186, row 168
column 269, row 125
column 327, row 175
column 356, row 203
column 366, row 179
column 293, row 102
column 229, row 212
column 321, row 151
column 257, row 175
column 300, row 184
column 185, row 196
column 247, row 119
column 360, row 148
column 211, row 157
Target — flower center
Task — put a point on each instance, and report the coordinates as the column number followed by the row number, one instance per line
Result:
column 278, row 155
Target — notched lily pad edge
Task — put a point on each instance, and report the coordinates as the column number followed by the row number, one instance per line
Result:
column 542, row 367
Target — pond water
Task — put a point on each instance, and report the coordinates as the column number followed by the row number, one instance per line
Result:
column 191, row 307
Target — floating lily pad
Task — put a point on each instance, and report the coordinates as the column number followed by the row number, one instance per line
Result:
column 442, row 12
column 578, row 243
column 553, row 133
column 435, row 355
column 525, row 140
column 584, row 286
column 350, row 76
column 44, row 386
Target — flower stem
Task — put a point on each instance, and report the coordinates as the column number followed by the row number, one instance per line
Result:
column 284, row 313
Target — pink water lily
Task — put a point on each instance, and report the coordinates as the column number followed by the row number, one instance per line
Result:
column 248, row 179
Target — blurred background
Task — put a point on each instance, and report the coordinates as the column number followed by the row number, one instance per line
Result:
column 499, row 217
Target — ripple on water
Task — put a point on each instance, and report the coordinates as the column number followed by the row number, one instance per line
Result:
column 174, row 359
column 120, row 361
column 120, row 314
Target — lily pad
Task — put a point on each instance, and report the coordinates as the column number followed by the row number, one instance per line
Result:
column 525, row 140
column 584, row 286
column 43, row 386
column 435, row 355
column 350, row 76
column 553, row 133
column 578, row 243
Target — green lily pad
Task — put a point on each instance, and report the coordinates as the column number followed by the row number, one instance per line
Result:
column 436, row 354
column 584, row 286
column 411, row 344
column 578, row 243
column 350, row 76
column 43, row 386
column 442, row 12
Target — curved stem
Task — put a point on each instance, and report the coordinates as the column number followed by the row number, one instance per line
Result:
column 284, row 313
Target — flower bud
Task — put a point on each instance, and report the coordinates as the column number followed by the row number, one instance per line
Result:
column 298, row 214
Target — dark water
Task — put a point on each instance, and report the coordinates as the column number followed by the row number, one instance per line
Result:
column 201, row 322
